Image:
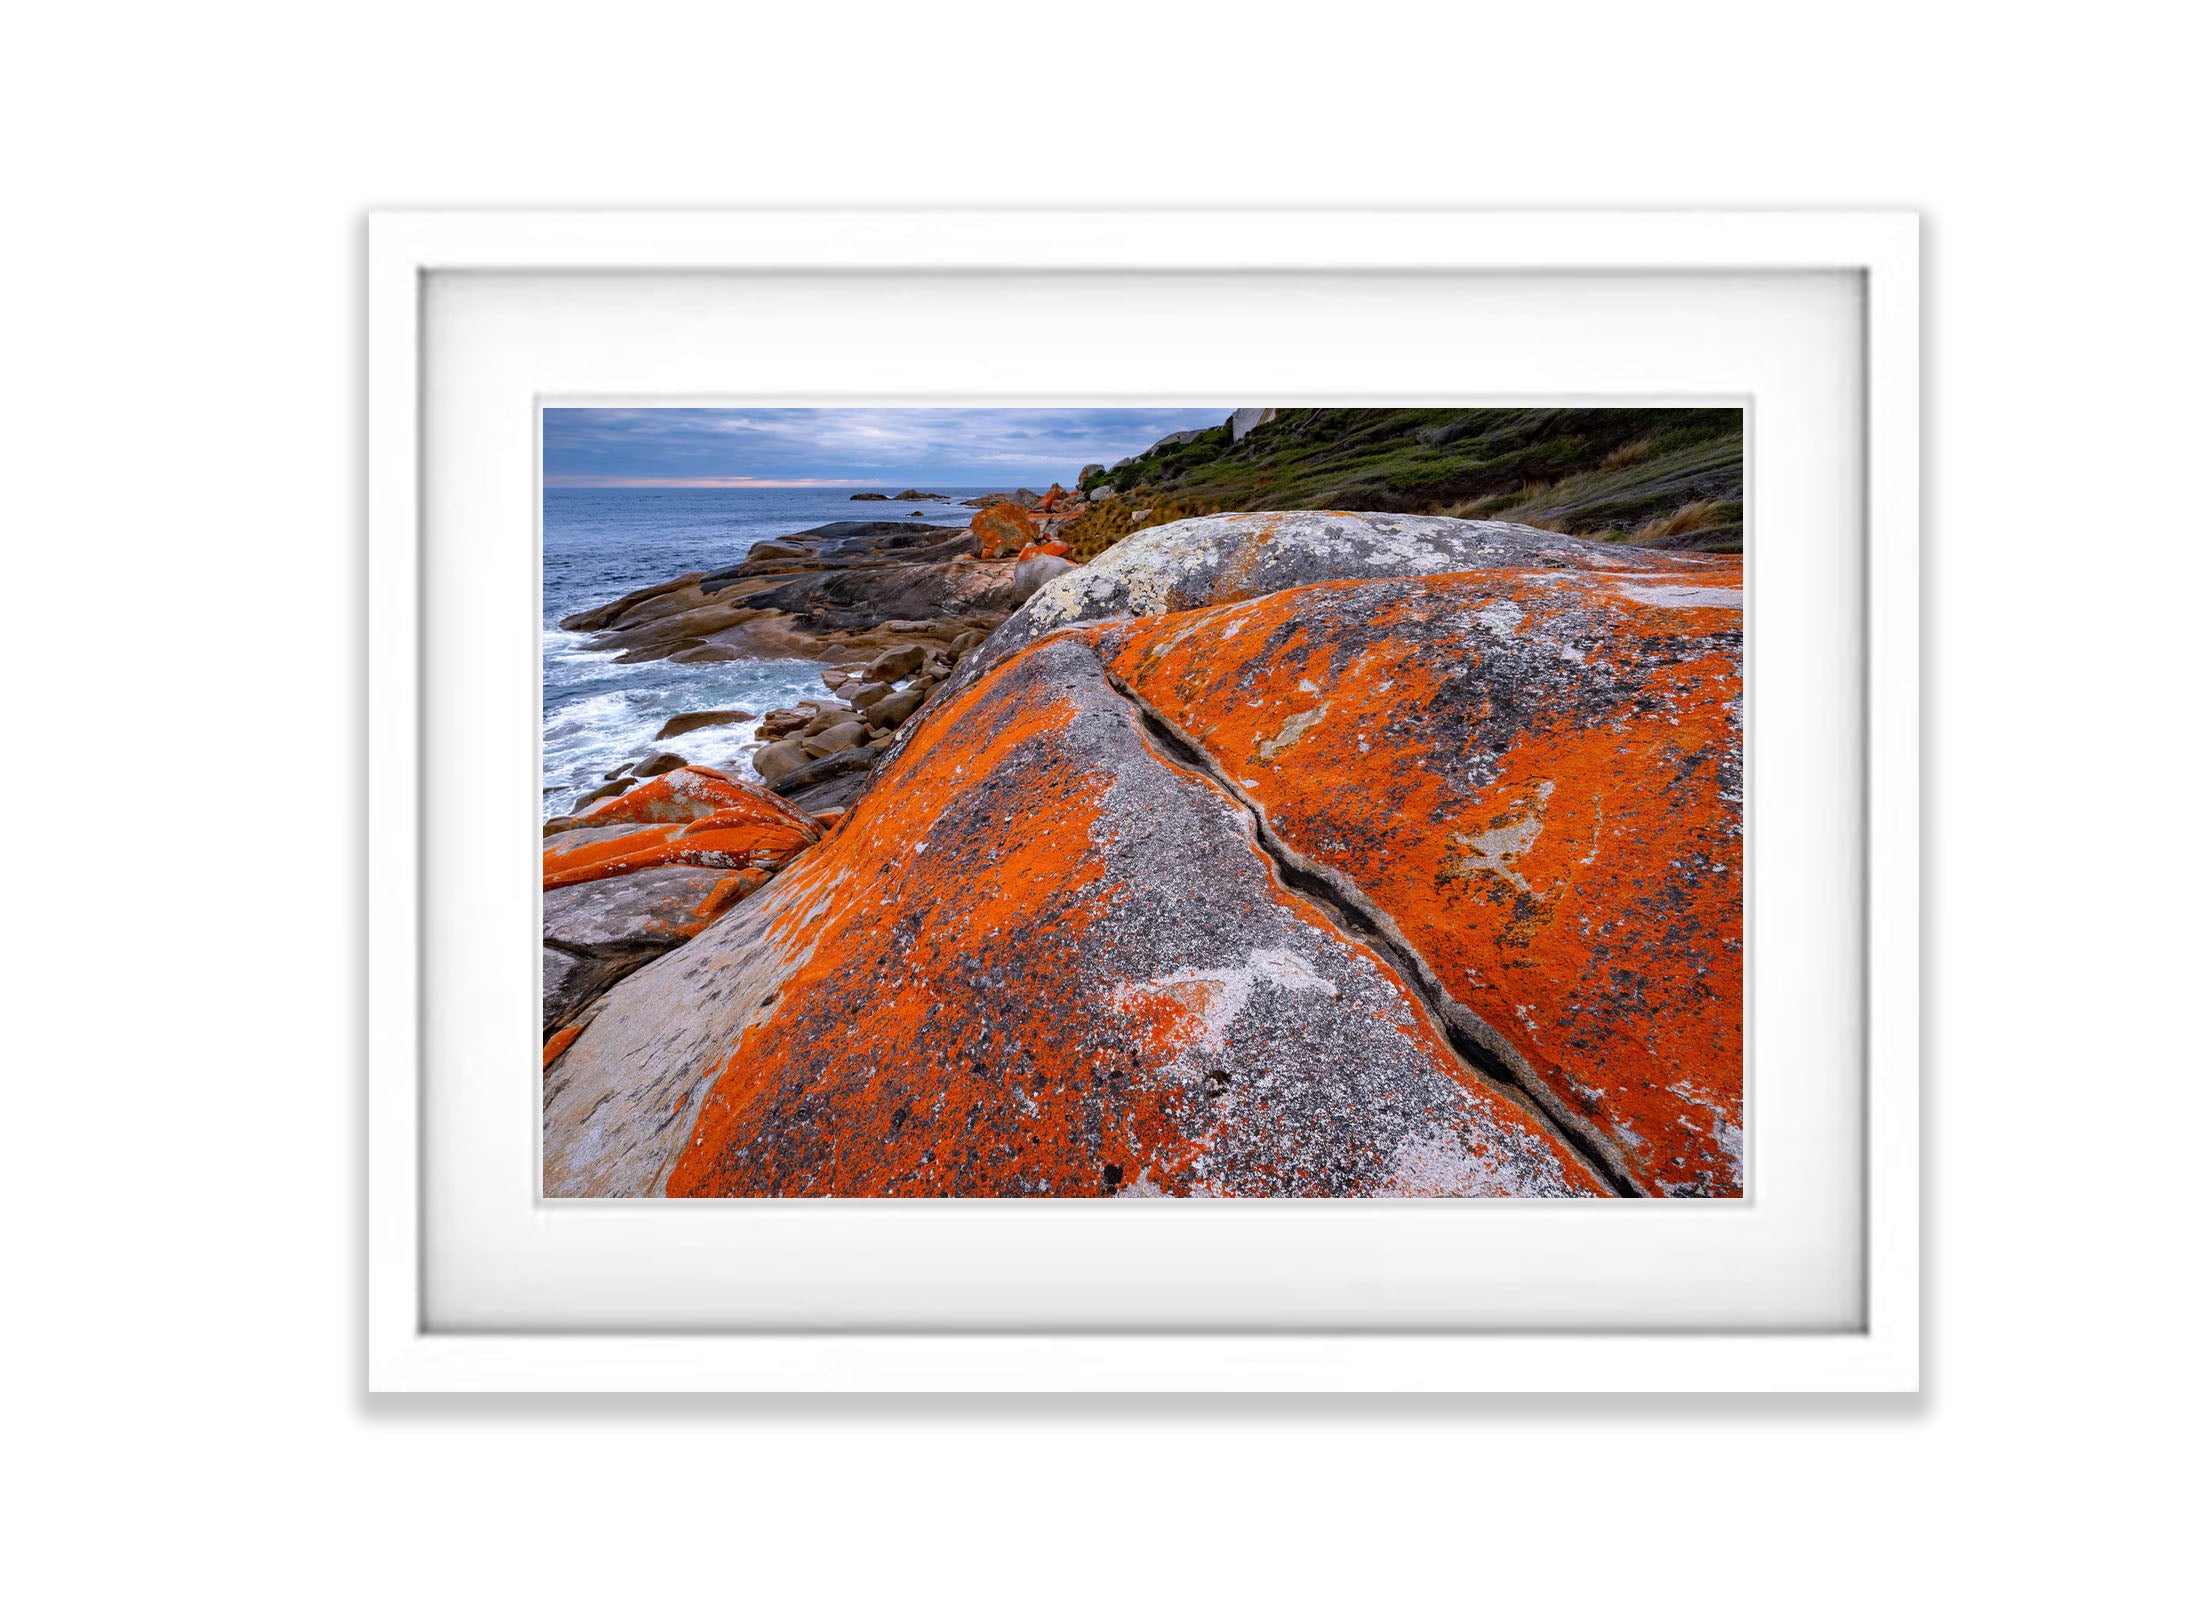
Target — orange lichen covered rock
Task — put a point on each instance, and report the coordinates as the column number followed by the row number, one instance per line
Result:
column 695, row 817
column 692, row 793
column 1002, row 529
column 723, row 839
column 1532, row 779
column 1048, row 959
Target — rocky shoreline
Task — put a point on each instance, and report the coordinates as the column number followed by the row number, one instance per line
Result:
column 1270, row 853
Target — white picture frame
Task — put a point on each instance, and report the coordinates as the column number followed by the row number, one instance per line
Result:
column 408, row 1351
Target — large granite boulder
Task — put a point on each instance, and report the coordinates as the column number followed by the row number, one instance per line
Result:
column 1050, row 960
column 1292, row 861
column 1205, row 561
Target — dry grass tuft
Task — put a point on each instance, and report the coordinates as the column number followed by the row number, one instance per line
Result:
column 1627, row 454
column 1687, row 519
column 1469, row 510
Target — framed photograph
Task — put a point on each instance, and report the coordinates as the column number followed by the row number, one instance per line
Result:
column 1042, row 801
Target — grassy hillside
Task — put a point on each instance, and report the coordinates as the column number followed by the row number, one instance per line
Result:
column 1668, row 478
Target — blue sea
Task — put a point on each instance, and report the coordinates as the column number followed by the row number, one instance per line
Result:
column 598, row 544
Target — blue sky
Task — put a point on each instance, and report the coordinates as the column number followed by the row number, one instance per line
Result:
column 856, row 447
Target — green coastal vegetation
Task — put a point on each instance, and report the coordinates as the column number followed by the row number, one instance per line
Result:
column 1669, row 479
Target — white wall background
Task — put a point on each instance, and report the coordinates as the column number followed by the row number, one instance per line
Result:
column 182, row 447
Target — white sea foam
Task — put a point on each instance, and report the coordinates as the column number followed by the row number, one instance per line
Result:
column 597, row 714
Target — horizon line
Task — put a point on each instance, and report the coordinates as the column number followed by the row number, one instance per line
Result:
column 585, row 481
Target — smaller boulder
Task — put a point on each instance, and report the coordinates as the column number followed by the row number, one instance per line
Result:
column 658, row 765
column 777, row 760
column 896, row 664
column 892, row 711
column 1037, row 573
column 617, row 786
column 840, row 764
column 869, row 695
column 841, row 735
column 689, row 721
column 1002, row 529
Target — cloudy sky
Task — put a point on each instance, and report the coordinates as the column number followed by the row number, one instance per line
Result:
column 879, row 447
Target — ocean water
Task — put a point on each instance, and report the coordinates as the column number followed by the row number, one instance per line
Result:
column 598, row 544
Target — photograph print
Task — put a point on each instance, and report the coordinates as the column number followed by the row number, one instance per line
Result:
column 1135, row 802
